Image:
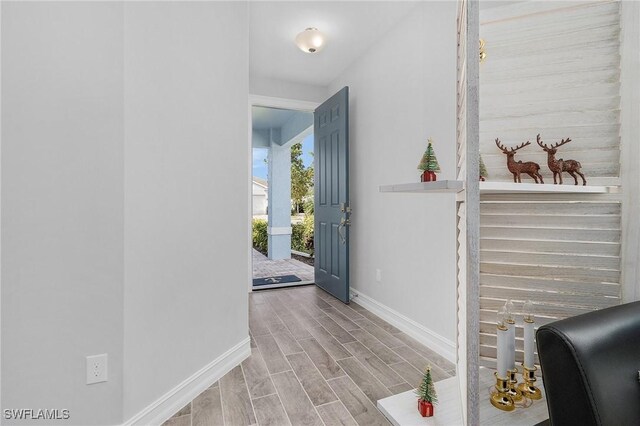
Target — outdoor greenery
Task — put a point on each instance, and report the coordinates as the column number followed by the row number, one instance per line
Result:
column 301, row 178
column 259, row 235
column 301, row 239
column 429, row 161
column 302, row 200
column 301, row 235
column 308, row 203
column 307, row 222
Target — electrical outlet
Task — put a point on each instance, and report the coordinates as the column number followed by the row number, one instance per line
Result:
column 378, row 275
column 96, row 369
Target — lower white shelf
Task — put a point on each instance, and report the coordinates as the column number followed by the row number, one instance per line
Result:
column 402, row 409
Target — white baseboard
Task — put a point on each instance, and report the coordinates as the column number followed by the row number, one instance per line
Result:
column 429, row 338
column 168, row 404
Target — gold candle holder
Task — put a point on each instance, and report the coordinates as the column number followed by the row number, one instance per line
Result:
column 528, row 388
column 501, row 399
column 513, row 389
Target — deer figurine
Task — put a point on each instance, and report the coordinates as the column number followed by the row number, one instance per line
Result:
column 518, row 167
column 558, row 166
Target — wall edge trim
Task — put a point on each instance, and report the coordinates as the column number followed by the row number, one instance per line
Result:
column 168, row 404
column 441, row 345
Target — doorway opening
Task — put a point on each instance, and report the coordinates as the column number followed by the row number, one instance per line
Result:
column 282, row 198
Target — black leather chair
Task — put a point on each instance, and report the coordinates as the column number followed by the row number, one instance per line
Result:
column 591, row 367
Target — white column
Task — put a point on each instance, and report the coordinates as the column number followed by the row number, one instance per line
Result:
column 279, row 209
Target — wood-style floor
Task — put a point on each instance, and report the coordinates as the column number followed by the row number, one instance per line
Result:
column 314, row 361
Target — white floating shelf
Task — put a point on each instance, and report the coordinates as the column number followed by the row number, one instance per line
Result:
column 546, row 188
column 437, row 186
column 498, row 188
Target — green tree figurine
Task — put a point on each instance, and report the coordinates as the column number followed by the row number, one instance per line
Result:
column 426, row 394
column 429, row 164
column 483, row 170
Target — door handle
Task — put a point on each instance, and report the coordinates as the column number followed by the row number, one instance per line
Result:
column 343, row 223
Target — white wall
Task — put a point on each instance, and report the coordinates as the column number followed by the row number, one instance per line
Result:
column 403, row 91
column 186, row 127
column 62, row 206
column 124, row 126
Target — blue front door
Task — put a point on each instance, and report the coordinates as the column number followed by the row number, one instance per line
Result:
column 331, row 152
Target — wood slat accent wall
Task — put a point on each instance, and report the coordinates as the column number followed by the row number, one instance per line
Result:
column 554, row 69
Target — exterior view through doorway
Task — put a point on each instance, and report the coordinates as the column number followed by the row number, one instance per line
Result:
column 300, row 194
column 281, row 194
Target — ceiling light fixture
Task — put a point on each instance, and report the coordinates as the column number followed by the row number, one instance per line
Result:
column 310, row 40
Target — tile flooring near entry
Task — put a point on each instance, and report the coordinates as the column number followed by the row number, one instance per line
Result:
column 314, row 361
column 264, row 267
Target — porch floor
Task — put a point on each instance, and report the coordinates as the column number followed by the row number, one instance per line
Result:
column 263, row 267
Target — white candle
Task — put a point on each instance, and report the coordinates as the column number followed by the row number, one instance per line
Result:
column 528, row 343
column 511, row 344
column 502, row 349
column 511, row 335
column 503, row 355
column 529, row 323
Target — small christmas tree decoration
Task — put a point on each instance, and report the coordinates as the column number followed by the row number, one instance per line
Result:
column 429, row 164
column 483, row 170
column 426, row 395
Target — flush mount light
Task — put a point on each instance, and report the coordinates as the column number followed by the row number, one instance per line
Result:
column 310, row 40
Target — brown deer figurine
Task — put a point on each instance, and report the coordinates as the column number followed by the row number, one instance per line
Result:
column 558, row 166
column 518, row 167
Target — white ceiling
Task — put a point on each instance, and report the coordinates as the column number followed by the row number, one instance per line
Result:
column 266, row 118
column 351, row 28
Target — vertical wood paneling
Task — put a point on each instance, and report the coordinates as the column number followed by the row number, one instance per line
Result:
column 554, row 69
column 630, row 149
column 462, row 358
column 467, row 207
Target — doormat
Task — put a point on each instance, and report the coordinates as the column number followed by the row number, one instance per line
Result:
column 282, row 279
